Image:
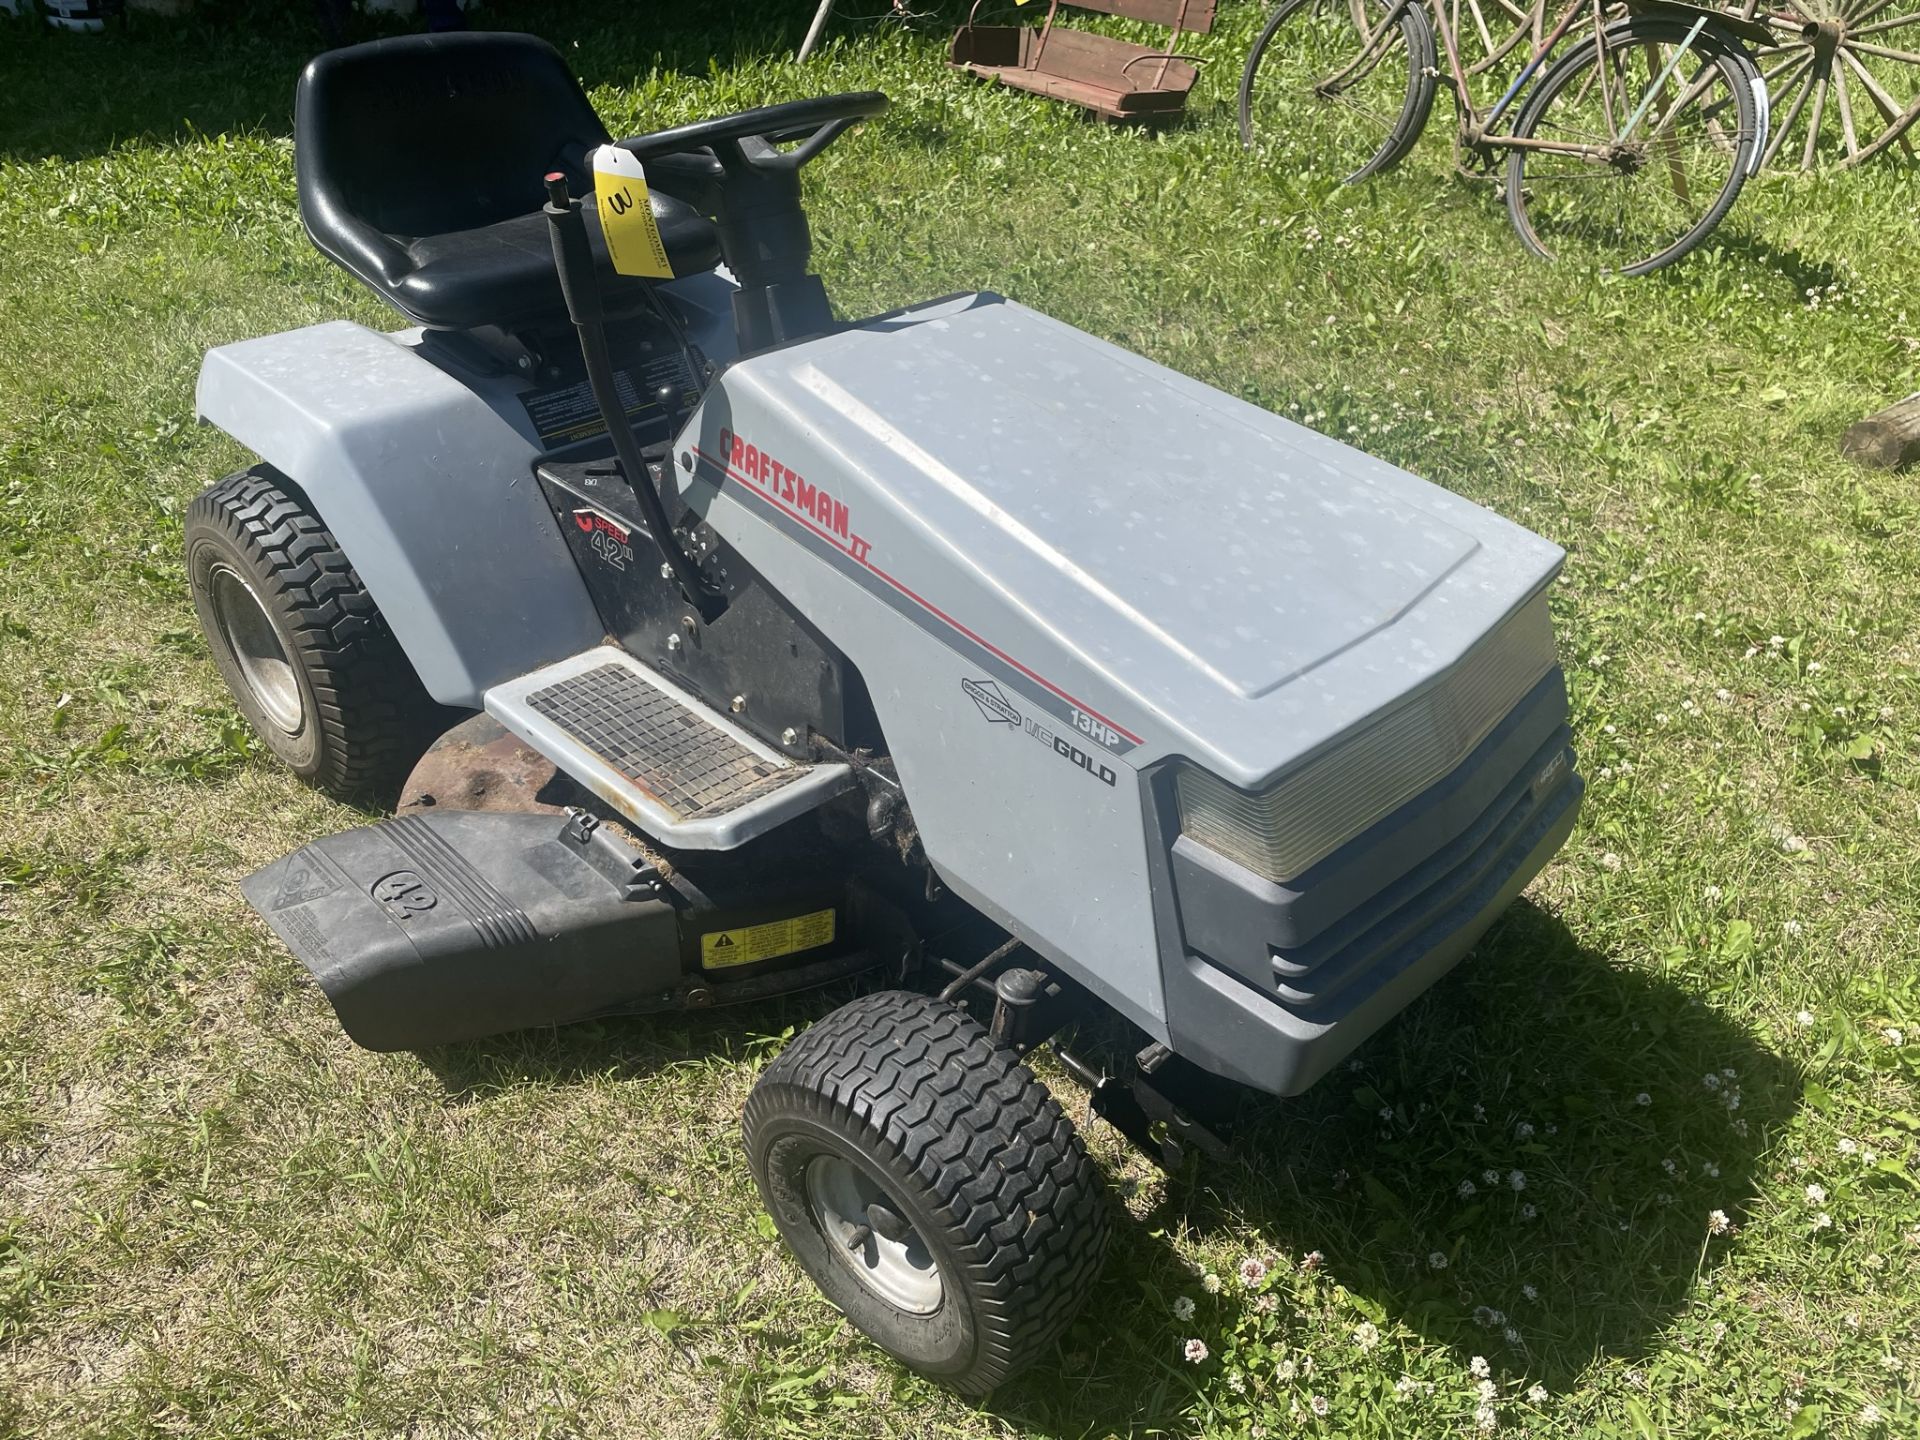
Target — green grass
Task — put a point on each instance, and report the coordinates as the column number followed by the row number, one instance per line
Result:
column 220, row 1219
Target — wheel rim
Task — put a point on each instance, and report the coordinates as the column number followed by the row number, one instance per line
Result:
column 898, row 1267
column 248, row 633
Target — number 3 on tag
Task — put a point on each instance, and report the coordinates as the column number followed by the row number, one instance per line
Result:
column 626, row 215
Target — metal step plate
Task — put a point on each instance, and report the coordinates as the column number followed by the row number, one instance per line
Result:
column 683, row 773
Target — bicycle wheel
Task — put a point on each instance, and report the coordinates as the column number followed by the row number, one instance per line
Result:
column 1848, row 90
column 1317, row 96
column 1649, row 190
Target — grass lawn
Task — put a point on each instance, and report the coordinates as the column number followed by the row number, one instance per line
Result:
column 220, row 1219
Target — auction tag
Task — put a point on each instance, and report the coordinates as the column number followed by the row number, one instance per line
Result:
column 750, row 944
column 626, row 216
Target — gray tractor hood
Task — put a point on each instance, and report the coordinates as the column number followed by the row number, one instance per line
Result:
column 1220, row 582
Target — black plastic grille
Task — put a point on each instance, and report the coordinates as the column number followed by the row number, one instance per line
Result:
column 658, row 743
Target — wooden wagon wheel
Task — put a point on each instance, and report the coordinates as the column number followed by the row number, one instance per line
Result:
column 1849, row 88
column 1488, row 31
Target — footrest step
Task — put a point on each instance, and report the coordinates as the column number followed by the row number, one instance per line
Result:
column 676, row 768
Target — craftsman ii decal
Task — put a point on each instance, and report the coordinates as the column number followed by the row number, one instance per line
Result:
column 793, row 491
column 799, row 505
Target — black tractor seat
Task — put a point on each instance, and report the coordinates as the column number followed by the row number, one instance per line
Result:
column 421, row 164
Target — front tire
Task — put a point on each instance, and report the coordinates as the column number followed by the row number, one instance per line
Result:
column 1696, row 146
column 929, row 1185
column 299, row 641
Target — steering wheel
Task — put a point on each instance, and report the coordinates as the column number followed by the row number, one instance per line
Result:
column 822, row 120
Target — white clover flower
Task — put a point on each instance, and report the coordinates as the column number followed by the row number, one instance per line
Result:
column 1492, row 1177
column 1670, row 1165
column 1823, row 1221
column 1265, row 1304
column 1712, row 892
column 1530, row 1291
column 1814, row 667
column 1890, row 1362
column 1195, row 1351
column 1523, row 1131
column 1516, row 1180
column 1711, row 1081
column 1183, row 1308
column 1643, row 1099
column 1405, row 1386
column 1805, row 1018
column 1486, row 1417
column 1710, row 1170
column 1869, row 1414
column 1510, row 1335
column 1774, row 642
column 1312, row 1261
column 1479, row 1368
column 1319, row 1405
column 1816, row 1195
column 1465, row 1190
column 1285, row 1371
column 1718, row 1223
column 1484, row 1315
column 1793, row 927
column 1893, row 1036
column 1846, row 1146
column 1610, row 861
column 1527, row 1212
column 1485, row 1392
column 1252, row 1270
column 1210, row 1283
column 1437, row 1260
column 1366, row 1335
column 1723, row 695
column 1537, row 1394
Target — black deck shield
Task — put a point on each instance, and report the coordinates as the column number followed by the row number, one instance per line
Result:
column 450, row 925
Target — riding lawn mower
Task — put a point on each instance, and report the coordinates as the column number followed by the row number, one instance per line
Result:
column 716, row 648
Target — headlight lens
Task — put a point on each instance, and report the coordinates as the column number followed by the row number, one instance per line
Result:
column 1307, row 814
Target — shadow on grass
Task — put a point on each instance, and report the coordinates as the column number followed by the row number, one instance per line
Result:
column 233, row 66
column 1532, row 1057
column 1554, row 1045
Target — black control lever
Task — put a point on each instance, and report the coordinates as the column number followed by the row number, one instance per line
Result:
column 573, row 258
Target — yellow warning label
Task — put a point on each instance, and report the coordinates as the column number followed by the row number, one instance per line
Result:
column 750, row 944
column 626, row 215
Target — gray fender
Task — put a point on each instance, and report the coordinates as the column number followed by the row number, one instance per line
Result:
column 428, row 485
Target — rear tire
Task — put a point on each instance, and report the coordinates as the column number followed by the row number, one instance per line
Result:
column 984, row 1223
column 299, row 641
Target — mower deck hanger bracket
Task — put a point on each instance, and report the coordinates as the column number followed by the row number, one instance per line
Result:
column 658, row 755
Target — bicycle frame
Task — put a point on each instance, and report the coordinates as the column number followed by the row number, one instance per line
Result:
column 1477, row 129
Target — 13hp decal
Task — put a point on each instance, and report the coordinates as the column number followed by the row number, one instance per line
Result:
column 996, row 709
